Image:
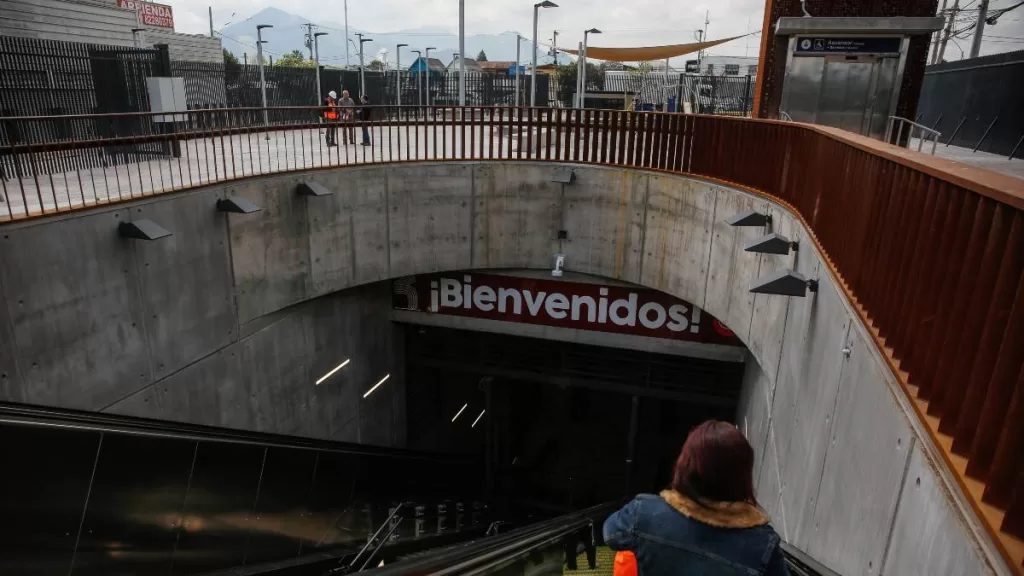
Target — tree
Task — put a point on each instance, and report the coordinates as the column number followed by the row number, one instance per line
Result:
column 566, row 75
column 294, row 59
column 481, row 57
column 230, row 58
column 376, row 65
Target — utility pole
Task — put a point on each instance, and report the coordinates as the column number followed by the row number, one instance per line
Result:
column 309, row 38
column 316, row 45
column 554, row 46
column 979, row 29
column 949, row 29
column 259, row 57
column 211, row 21
column 346, row 35
column 938, row 34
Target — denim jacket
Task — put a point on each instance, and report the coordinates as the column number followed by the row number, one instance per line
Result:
column 672, row 534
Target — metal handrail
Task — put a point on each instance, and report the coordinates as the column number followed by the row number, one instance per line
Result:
column 924, row 132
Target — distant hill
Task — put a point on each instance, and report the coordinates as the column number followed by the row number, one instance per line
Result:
column 287, row 35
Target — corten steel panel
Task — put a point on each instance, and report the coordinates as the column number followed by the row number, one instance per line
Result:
column 980, row 295
column 996, row 324
column 217, row 514
column 999, row 430
column 948, row 280
column 955, row 338
column 925, row 320
column 135, row 505
column 1001, row 389
column 927, row 237
column 45, row 485
column 1004, row 483
column 279, row 513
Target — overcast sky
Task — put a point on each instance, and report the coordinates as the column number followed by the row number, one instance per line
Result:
column 635, row 23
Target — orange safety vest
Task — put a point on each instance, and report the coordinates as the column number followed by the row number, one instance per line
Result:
column 331, row 113
column 625, row 564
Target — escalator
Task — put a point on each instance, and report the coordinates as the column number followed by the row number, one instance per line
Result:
column 88, row 493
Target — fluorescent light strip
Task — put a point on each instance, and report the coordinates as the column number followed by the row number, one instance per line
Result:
column 459, row 413
column 331, row 373
column 377, row 385
column 478, row 418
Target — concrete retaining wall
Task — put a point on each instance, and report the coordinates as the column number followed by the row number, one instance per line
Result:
column 97, row 322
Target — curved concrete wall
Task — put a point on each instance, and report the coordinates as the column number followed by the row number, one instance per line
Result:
column 100, row 323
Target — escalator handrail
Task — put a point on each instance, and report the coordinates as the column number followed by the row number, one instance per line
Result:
column 487, row 552
column 60, row 418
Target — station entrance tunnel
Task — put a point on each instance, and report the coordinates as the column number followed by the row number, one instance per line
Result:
column 563, row 417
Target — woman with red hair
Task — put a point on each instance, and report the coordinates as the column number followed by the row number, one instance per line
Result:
column 708, row 522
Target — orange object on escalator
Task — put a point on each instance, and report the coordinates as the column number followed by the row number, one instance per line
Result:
column 625, row 564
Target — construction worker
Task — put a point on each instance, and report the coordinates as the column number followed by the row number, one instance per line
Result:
column 331, row 117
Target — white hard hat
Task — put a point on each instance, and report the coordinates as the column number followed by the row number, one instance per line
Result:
column 332, row 94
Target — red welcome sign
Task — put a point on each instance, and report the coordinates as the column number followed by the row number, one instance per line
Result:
column 549, row 302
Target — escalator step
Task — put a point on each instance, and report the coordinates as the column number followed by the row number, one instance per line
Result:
column 605, row 563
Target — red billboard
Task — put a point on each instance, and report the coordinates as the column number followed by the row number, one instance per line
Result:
column 565, row 304
column 150, row 14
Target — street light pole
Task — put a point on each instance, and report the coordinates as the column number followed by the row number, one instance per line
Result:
column 427, row 62
column 398, row 73
column 462, row 52
column 533, row 61
column 583, row 67
column 362, row 69
column 519, row 40
column 419, row 92
column 316, row 50
column 259, row 56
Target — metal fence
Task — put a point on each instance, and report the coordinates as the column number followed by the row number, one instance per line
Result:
column 229, row 86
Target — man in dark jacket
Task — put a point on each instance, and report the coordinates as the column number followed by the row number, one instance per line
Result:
column 365, row 114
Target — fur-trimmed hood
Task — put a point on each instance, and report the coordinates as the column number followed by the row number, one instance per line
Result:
column 718, row 514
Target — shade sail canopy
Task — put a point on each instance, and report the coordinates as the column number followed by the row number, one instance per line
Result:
column 649, row 53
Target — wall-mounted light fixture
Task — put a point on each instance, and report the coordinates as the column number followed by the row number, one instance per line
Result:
column 142, row 230
column 564, row 175
column 772, row 244
column 236, row 205
column 312, row 189
column 785, row 283
column 559, row 264
column 461, row 410
column 478, row 418
column 377, row 385
column 749, row 218
column 331, row 373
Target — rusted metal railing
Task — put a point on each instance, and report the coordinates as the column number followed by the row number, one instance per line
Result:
column 931, row 252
